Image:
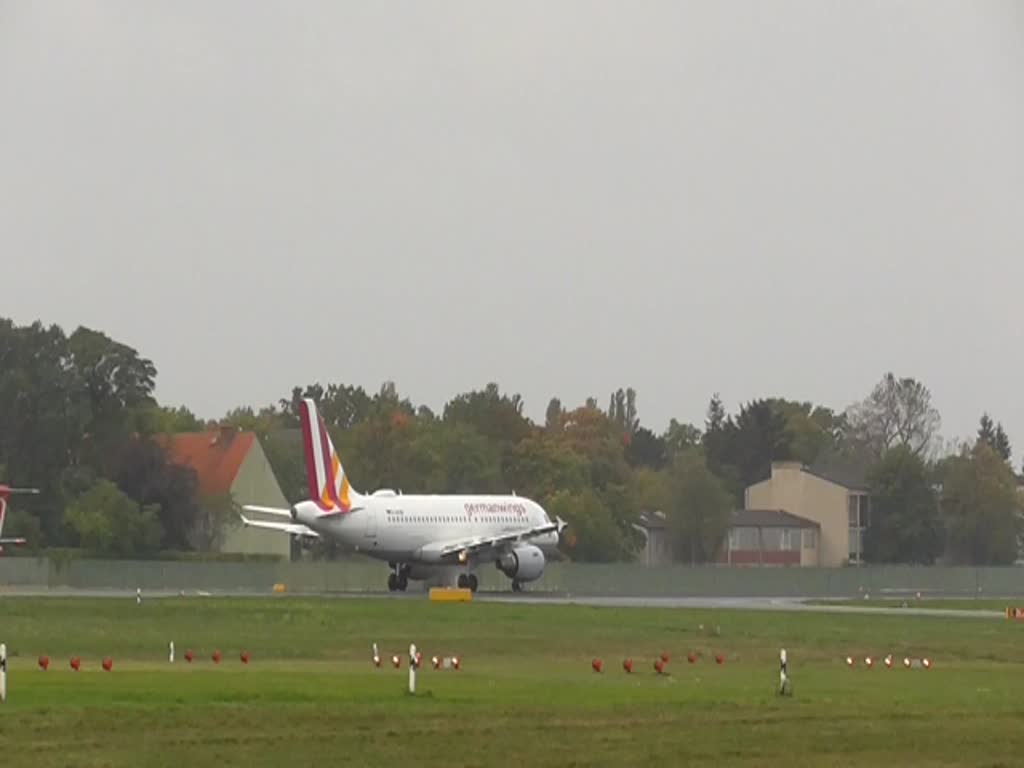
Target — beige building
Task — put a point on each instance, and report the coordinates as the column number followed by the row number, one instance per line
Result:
column 227, row 460
column 836, row 500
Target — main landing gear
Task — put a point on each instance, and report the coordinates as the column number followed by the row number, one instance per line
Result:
column 517, row 586
column 467, row 581
column 398, row 579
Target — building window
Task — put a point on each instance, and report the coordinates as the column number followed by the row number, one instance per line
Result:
column 859, row 512
column 773, row 539
column 792, row 540
column 744, row 539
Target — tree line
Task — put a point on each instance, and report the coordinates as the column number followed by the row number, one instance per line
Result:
column 78, row 419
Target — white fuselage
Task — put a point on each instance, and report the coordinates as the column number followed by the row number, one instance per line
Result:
column 395, row 527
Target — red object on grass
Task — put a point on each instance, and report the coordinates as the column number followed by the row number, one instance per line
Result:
column 75, row 663
column 44, row 663
column 628, row 665
column 108, row 664
column 596, row 664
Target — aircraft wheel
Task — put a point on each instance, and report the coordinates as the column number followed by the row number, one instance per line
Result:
column 403, row 582
column 463, row 581
column 472, row 582
column 392, row 582
column 517, row 587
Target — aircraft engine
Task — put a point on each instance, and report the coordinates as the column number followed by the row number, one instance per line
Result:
column 523, row 563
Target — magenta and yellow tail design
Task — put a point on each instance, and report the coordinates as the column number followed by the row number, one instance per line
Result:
column 328, row 485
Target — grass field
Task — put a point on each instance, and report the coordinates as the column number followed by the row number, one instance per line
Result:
column 525, row 696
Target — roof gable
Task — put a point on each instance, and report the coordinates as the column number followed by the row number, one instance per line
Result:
column 216, row 455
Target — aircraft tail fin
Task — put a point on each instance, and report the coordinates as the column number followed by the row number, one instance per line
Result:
column 328, row 485
column 5, row 493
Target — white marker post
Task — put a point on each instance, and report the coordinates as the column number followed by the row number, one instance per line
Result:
column 3, row 672
column 412, row 668
column 783, row 675
column 170, row 652
column 138, row 595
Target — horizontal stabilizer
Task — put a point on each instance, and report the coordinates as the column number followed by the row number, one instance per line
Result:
column 277, row 511
column 296, row 529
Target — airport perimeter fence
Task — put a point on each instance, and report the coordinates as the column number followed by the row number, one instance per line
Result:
column 612, row 580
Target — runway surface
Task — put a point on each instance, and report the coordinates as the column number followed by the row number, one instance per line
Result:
column 733, row 603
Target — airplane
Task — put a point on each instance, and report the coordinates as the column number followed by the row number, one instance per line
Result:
column 432, row 538
column 5, row 493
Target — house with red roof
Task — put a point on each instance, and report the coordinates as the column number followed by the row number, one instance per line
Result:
column 230, row 461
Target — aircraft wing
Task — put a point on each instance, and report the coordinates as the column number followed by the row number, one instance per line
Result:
column 459, row 549
column 297, row 529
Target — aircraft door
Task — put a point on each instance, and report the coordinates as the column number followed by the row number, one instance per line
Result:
column 371, row 524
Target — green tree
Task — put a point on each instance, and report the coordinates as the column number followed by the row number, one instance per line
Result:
column 622, row 410
column 341, row 406
column 699, row 511
column 981, row 507
column 540, row 467
column 994, row 436
column 159, row 419
column 496, row 416
column 553, row 415
column 814, row 430
column 143, row 472
column 117, row 384
column 455, row 458
column 646, row 449
column 905, row 523
column 680, row 437
column 651, row 489
column 898, row 411
column 593, row 534
column 107, row 521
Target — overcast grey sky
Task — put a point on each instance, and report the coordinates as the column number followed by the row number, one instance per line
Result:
column 759, row 198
